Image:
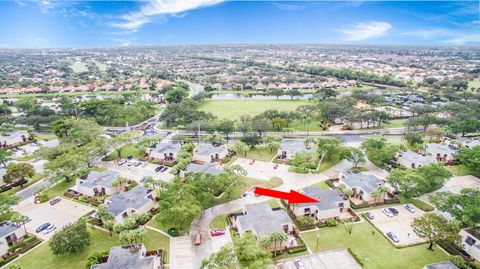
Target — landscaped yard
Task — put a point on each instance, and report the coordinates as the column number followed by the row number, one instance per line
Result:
column 100, row 240
column 372, row 248
column 243, row 186
column 260, row 155
column 46, row 137
column 461, row 170
column 323, row 185
column 233, row 109
column 398, row 123
column 60, row 188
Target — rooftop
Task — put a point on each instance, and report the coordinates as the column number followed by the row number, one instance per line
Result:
column 441, row 148
column 441, row 265
column 9, row 135
column 134, row 198
column 294, row 145
column 209, row 149
column 7, row 228
column 414, row 157
column 127, row 257
column 104, row 179
column 167, row 147
column 263, row 220
column 367, row 183
column 327, row 199
column 210, row 168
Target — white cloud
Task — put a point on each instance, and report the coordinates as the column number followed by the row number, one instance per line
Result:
column 365, row 30
column 157, row 9
column 446, row 35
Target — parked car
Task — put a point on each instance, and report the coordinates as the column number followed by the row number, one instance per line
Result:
column 369, row 215
column 164, row 169
column 393, row 210
column 387, row 212
column 49, row 229
column 122, row 162
column 198, row 239
column 299, row 264
column 144, row 164
column 275, row 166
column 159, row 168
column 137, row 164
column 130, row 157
column 42, row 227
column 143, row 180
column 55, row 201
column 393, row 237
column 130, row 163
column 410, row 208
column 217, row 232
column 252, row 162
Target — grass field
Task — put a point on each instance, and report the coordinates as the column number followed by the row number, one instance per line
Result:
column 79, row 67
column 398, row 123
column 242, row 186
column 374, row 250
column 46, row 137
column 323, row 185
column 462, row 170
column 41, row 257
column 19, row 95
column 260, row 155
column 474, row 83
column 233, row 109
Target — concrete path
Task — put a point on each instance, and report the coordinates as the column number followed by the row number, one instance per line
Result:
column 181, row 253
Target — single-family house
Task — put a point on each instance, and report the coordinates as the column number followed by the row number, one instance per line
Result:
column 205, row 153
column 441, row 152
column 288, row 148
column 441, row 265
column 261, row 220
column 97, row 184
column 166, row 152
column 471, row 242
column 331, row 205
column 362, row 185
column 136, row 200
column 10, row 234
column 411, row 159
column 130, row 257
column 469, row 142
column 14, row 138
column 210, row 168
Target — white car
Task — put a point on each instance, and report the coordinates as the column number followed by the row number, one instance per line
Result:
column 387, row 212
column 410, row 208
column 49, row 229
column 299, row 264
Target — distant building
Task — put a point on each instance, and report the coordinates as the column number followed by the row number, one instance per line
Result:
column 205, row 153
column 331, row 205
column 130, row 257
column 410, row 159
column 97, row 184
column 262, row 221
column 10, row 139
column 10, row 234
column 166, row 152
column 362, row 185
column 136, row 200
column 471, row 242
column 288, row 148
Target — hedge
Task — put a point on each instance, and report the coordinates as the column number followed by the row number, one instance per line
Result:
column 296, row 250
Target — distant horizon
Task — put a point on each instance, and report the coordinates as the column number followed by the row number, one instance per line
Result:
column 92, row 24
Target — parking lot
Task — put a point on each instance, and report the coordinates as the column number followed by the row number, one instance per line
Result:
column 333, row 259
column 455, row 185
column 263, row 170
column 138, row 172
column 60, row 214
column 400, row 225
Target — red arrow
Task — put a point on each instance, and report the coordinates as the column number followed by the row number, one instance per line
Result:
column 293, row 197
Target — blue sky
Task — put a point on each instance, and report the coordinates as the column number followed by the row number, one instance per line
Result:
column 36, row 24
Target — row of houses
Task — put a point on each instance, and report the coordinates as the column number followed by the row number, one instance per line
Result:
column 203, row 153
column 12, row 139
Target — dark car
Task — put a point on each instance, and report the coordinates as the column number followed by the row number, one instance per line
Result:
column 42, row 227
column 54, row 201
column 159, row 168
column 164, row 169
column 130, row 157
column 393, row 210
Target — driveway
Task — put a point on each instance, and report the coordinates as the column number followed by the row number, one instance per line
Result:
column 455, row 185
column 181, row 253
column 400, row 225
column 332, row 259
column 137, row 173
column 60, row 214
column 263, row 170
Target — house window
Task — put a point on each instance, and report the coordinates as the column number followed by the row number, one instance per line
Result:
column 470, row 241
column 306, row 211
column 340, row 205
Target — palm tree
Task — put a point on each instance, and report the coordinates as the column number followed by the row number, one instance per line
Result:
column 278, row 237
column 379, row 193
column 19, row 219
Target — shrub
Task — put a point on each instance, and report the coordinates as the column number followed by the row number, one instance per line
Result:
column 43, row 198
column 95, row 258
column 331, row 223
column 296, row 250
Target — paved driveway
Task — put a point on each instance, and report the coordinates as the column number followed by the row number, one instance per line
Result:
column 137, row 173
column 263, row 170
column 332, row 259
column 60, row 214
column 455, row 185
column 400, row 225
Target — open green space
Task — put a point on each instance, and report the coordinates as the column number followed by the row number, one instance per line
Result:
column 54, row 94
column 260, row 154
column 41, row 257
column 79, row 67
column 397, row 123
column 60, row 188
column 462, row 170
column 323, row 185
column 372, row 248
column 241, row 186
column 46, row 137
column 233, row 109
column 474, row 83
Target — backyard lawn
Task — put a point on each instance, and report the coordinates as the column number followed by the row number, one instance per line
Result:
column 323, row 185
column 398, row 123
column 462, row 170
column 41, row 257
column 260, row 155
column 233, row 109
column 243, row 186
column 374, row 250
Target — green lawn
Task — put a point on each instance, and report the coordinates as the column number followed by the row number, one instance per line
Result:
column 79, row 67
column 19, row 95
column 474, row 83
column 60, row 188
column 398, row 123
column 372, row 248
column 100, row 240
column 462, row 170
column 323, row 185
column 46, row 137
column 219, row 222
column 233, row 109
column 242, row 186
column 260, row 155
